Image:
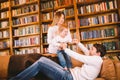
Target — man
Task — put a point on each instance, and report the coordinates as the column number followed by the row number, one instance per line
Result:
column 89, row 71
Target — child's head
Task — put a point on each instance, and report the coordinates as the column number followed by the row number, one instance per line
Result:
column 59, row 18
column 63, row 30
column 98, row 49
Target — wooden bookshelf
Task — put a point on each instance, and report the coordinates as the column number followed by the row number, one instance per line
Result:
column 89, row 9
column 15, row 15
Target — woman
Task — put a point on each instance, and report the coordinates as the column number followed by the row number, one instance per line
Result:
column 59, row 18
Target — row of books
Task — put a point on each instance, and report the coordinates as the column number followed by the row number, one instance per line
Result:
column 101, row 19
column 45, row 27
column 4, row 14
column 4, row 5
column 27, row 41
column 33, row 29
column 44, row 39
column 73, row 34
column 4, row 34
column 55, row 3
column 27, row 50
column 110, row 45
column 71, row 24
column 25, row 20
column 47, row 16
column 69, row 12
column 99, row 33
column 103, row 6
column 73, row 47
column 4, row 24
column 87, row 0
column 25, row 9
column 4, row 44
column 19, row 2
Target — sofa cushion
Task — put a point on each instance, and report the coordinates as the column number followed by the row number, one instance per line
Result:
column 4, row 61
column 108, row 70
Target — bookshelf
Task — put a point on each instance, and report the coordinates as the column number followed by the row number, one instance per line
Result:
column 4, row 28
column 93, row 21
column 24, row 24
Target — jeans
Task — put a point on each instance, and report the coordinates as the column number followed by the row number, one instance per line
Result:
column 46, row 66
column 64, row 59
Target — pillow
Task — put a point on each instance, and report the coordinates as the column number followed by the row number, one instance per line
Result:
column 108, row 70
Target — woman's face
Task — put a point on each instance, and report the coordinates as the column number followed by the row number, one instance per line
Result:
column 61, row 21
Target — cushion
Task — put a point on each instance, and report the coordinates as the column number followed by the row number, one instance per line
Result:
column 4, row 61
column 108, row 70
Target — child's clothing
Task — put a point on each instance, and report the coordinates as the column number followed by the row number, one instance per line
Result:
column 64, row 59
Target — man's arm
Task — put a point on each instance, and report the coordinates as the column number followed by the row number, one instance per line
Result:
column 81, row 46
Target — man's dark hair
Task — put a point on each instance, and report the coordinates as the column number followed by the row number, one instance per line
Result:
column 100, row 48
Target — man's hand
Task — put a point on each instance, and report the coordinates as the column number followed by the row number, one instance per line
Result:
column 75, row 41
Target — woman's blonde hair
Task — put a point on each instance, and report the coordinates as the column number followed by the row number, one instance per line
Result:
column 57, row 16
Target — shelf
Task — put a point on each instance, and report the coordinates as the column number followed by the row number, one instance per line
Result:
column 46, row 10
column 70, row 17
column 45, row 44
column 27, row 3
column 47, row 21
column 96, row 13
column 64, row 6
column 44, row 32
column 4, row 38
column 4, row 9
column 90, row 2
column 34, row 34
column 23, row 25
column 2, row 49
column 100, row 39
column 3, row 19
column 99, row 25
column 113, row 51
column 4, row 28
column 72, row 29
column 26, row 14
column 27, row 46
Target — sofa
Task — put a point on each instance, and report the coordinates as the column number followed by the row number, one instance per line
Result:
column 14, row 64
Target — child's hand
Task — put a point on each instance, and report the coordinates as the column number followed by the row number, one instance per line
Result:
column 75, row 41
column 64, row 45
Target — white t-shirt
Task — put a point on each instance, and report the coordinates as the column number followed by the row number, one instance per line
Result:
column 52, row 33
column 91, row 67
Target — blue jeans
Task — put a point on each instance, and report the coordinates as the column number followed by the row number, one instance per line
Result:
column 46, row 66
column 64, row 59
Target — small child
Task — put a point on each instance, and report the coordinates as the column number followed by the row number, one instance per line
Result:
column 57, row 42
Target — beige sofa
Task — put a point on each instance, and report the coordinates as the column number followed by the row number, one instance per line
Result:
column 12, row 65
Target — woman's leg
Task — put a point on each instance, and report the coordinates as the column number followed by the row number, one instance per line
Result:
column 68, row 60
column 61, row 58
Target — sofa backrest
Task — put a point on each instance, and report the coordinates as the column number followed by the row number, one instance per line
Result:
column 108, row 70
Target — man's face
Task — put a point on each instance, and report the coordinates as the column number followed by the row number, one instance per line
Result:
column 93, row 51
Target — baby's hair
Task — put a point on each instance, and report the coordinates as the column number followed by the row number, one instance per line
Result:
column 62, row 27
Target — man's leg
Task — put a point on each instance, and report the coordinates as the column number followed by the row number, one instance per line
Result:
column 53, row 70
column 46, row 66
